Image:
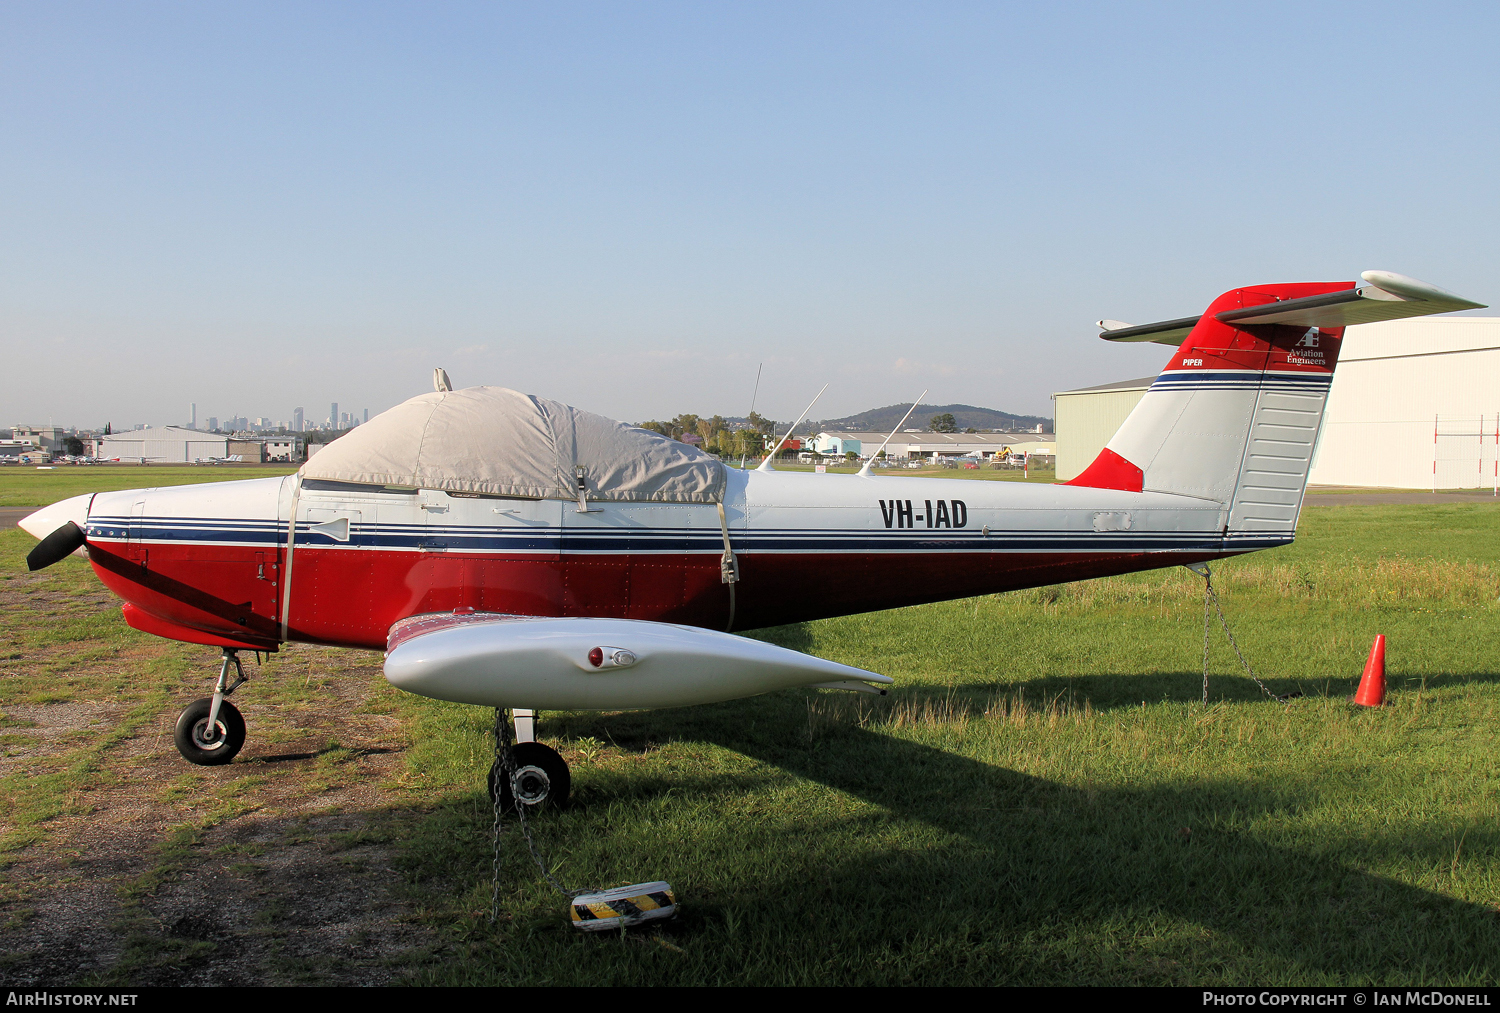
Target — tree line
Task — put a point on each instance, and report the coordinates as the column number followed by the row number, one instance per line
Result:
column 748, row 440
column 716, row 434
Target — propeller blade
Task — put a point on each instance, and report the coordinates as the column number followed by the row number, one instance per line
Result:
column 61, row 543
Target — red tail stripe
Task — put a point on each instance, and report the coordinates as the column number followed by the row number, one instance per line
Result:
column 1111, row 471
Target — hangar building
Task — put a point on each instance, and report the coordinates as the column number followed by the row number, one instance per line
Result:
column 168, row 444
column 1415, row 404
column 176, row 445
column 1086, row 418
column 921, row 443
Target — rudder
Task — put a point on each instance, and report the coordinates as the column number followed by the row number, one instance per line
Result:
column 1234, row 416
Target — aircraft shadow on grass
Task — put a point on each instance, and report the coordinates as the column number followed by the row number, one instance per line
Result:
column 1110, row 690
column 1021, row 860
column 314, row 754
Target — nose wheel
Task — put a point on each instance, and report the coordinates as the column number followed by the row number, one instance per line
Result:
column 541, row 778
column 211, row 731
column 205, row 744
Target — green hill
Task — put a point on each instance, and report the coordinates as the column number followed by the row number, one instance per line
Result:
column 965, row 415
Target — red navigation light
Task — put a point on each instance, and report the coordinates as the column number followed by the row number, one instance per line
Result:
column 596, row 657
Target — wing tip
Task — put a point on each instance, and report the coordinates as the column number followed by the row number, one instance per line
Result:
column 1407, row 288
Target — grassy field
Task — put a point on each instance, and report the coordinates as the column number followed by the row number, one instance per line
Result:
column 27, row 486
column 1042, row 799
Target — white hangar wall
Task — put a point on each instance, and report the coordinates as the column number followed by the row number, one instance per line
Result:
column 167, row 444
column 1414, row 405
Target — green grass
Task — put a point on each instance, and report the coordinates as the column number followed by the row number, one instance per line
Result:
column 68, row 642
column 1042, row 799
column 26, row 486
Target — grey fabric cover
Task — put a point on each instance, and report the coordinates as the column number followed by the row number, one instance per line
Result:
column 505, row 443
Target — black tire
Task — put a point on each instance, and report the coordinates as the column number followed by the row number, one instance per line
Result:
column 543, row 774
column 192, row 741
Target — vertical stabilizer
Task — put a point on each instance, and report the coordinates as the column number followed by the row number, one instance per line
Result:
column 1234, row 416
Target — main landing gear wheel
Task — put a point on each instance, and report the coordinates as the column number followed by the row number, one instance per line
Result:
column 541, row 778
column 209, row 747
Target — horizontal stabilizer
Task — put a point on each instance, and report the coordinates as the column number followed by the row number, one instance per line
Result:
column 1165, row 332
column 1386, row 296
column 593, row 664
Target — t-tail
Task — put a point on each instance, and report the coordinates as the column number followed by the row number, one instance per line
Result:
column 1235, row 415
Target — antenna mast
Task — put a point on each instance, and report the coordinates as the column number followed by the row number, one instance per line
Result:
column 752, row 404
column 766, row 464
column 865, row 471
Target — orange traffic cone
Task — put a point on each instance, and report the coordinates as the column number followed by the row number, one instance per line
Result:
column 1372, row 684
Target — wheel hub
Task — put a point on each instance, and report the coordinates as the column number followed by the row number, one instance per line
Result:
column 531, row 785
column 205, row 737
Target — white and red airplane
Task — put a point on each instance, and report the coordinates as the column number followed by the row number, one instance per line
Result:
column 510, row 551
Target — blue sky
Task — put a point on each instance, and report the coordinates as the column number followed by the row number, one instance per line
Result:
column 629, row 206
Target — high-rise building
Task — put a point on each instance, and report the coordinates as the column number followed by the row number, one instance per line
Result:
column 367, row 414
column 296, row 420
column 213, row 423
column 333, row 415
column 194, row 424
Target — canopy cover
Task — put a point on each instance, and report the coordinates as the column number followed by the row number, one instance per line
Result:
column 505, row 443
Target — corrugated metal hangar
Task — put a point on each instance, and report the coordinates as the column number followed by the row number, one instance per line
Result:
column 1086, row 418
column 913, row 444
column 1415, row 404
column 169, row 444
column 176, row 445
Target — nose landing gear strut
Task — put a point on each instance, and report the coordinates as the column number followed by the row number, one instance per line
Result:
column 211, row 731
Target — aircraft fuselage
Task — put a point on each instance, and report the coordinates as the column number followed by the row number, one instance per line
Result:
column 212, row 563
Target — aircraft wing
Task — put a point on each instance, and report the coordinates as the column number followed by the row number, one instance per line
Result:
column 544, row 663
column 1387, row 296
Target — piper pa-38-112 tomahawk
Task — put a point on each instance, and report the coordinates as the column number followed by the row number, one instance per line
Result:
column 510, row 551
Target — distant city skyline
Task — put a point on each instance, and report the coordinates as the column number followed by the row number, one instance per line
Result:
column 295, row 423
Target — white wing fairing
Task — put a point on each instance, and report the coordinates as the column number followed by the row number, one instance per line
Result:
column 593, row 664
